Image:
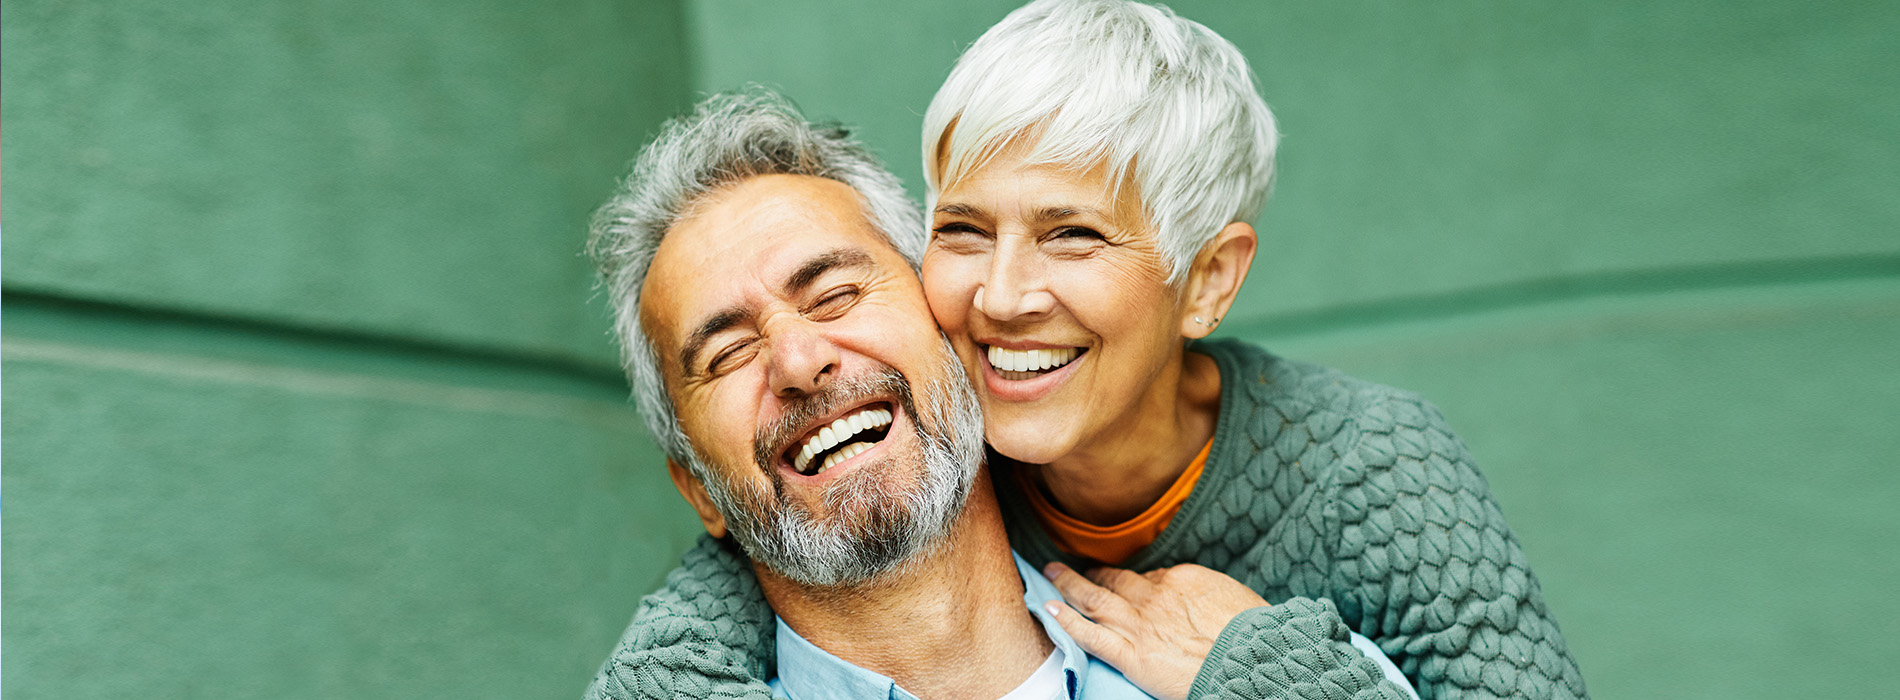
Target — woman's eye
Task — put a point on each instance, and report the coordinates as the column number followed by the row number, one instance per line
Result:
column 955, row 229
column 960, row 238
column 1073, row 240
column 1077, row 232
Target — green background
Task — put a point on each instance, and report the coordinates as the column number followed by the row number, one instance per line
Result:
column 308, row 393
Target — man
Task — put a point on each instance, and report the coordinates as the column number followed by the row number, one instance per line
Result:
column 782, row 352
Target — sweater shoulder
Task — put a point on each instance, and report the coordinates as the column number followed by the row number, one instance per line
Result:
column 1319, row 428
column 707, row 633
column 1289, row 438
column 1292, row 387
column 1362, row 494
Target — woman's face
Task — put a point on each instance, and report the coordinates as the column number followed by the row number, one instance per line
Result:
column 1054, row 292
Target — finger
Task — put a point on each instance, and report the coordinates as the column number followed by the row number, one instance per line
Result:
column 1099, row 641
column 1161, row 576
column 1126, row 583
column 1087, row 597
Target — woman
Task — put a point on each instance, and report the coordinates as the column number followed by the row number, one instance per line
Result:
column 1092, row 166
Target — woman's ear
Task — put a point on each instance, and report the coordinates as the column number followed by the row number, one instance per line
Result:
column 1215, row 278
column 695, row 494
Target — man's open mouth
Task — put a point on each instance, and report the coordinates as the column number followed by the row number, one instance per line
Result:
column 843, row 438
column 1019, row 365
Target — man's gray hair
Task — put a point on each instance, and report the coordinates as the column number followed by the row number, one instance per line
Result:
column 728, row 138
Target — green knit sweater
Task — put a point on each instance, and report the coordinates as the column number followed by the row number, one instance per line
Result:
column 1345, row 503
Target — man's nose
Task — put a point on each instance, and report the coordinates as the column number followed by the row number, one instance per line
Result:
column 802, row 360
column 1017, row 285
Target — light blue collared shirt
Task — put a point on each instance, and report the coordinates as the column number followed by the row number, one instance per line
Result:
column 806, row 672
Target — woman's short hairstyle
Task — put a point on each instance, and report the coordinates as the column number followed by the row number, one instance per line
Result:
column 728, row 138
column 1119, row 83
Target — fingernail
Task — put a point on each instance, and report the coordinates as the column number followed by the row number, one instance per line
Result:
column 1053, row 609
column 1053, row 570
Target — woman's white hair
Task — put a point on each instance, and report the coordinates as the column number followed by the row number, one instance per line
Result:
column 1119, row 83
column 728, row 138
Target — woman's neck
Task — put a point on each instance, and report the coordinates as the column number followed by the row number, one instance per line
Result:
column 1127, row 467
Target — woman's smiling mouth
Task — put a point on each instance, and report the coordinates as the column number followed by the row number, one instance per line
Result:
column 1027, row 374
column 1018, row 365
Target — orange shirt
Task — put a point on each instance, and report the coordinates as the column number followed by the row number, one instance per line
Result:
column 1113, row 544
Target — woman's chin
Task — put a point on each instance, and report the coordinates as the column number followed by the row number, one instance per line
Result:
column 1027, row 446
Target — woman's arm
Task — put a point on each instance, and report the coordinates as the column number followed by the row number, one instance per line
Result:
column 707, row 634
column 1407, row 546
column 1191, row 632
column 1426, row 566
column 1297, row 649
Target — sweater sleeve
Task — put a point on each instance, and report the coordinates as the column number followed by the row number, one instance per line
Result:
column 1297, row 649
column 1427, row 568
column 707, row 634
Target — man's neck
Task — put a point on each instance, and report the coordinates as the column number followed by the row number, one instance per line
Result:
column 950, row 626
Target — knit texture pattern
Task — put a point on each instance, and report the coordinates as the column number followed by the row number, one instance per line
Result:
column 1297, row 649
column 707, row 634
column 1345, row 503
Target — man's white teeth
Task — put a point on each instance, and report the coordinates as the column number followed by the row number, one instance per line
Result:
column 839, row 431
column 1031, row 360
column 843, row 453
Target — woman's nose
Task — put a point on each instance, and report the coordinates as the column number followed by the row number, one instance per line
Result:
column 802, row 361
column 1016, row 286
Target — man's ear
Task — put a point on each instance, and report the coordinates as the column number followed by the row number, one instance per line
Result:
column 1214, row 280
column 695, row 494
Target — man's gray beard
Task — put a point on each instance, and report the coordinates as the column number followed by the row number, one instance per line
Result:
column 874, row 528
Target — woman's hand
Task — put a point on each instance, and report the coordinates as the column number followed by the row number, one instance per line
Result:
column 1156, row 628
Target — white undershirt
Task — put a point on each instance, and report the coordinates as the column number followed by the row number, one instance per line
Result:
column 1047, row 683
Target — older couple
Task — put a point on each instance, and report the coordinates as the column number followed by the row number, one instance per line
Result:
column 824, row 370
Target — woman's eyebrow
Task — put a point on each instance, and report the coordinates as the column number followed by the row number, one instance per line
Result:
column 959, row 210
column 1043, row 214
column 1053, row 213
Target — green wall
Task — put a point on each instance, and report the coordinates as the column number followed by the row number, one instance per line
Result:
column 310, row 396
column 305, row 393
column 1646, row 256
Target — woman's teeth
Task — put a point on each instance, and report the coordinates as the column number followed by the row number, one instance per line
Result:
column 1022, row 364
column 840, row 431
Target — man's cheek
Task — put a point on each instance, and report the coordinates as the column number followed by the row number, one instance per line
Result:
column 704, row 426
column 890, row 328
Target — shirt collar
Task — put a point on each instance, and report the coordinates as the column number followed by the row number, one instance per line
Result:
column 810, row 673
column 1037, row 590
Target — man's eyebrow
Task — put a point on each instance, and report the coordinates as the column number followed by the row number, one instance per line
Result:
column 794, row 284
column 712, row 326
column 823, row 263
